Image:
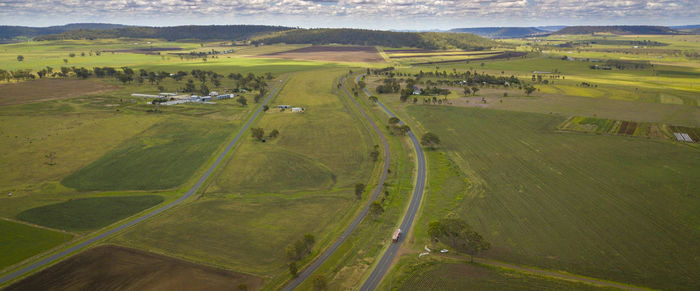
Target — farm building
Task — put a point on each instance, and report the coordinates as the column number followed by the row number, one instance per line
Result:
column 225, row 96
column 297, row 109
column 284, row 106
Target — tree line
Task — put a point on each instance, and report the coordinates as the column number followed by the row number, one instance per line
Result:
column 196, row 32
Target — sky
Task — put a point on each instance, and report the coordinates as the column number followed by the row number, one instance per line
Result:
column 370, row 14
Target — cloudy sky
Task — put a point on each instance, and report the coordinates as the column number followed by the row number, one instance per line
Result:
column 374, row 14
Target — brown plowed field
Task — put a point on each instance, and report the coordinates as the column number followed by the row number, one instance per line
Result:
column 118, row 268
column 48, row 89
column 331, row 53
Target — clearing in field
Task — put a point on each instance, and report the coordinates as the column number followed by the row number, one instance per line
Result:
column 48, row 89
column 19, row 241
column 611, row 207
column 366, row 54
column 88, row 213
column 112, row 268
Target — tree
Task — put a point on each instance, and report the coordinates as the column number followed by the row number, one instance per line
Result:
column 258, row 133
column 359, row 188
column 293, row 269
column 373, row 99
column 376, row 209
column 375, row 153
column 435, row 230
column 529, row 89
column 242, row 101
column 320, row 283
column 72, row 55
column 274, row 133
column 430, row 139
column 309, row 241
column 266, row 108
column 361, row 84
column 204, row 90
column 394, row 120
column 474, row 243
column 467, row 91
column 20, row 58
column 474, row 90
column 242, row 287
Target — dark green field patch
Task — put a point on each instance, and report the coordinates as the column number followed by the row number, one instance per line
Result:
column 162, row 157
column 88, row 213
column 19, row 241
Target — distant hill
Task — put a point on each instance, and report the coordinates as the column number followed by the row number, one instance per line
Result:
column 550, row 27
column 426, row 40
column 621, row 29
column 10, row 32
column 685, row 27
column 501, row 32
column 193, row 32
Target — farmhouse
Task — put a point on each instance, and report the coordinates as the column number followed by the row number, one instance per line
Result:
column 416, row 90
column 297, row 109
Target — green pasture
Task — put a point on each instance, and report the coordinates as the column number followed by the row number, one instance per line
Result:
column 88, row 213
column 164, row 156
column 248, row 233
column 619, row 208
column 19, row 241
column 322, row 147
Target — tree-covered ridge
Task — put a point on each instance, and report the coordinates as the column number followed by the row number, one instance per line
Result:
column 426, row 40
column 198, row 32
column 10, row 32
column 617, row 29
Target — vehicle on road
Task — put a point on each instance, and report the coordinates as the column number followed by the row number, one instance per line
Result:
column 396, row 236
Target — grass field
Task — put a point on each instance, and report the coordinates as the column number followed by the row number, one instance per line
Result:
column 19, row 241
column 248, row 234
column 613, row 207
column 162, row 157
column 88, row 213
column 465, row 276
column 123, row 268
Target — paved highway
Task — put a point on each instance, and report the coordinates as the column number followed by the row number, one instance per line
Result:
column 380, row 186
column 192, row 191
column 385, row 262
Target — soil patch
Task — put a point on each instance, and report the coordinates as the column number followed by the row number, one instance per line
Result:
column 505, row 55
column 331, row 53
column 118, row 268
column 438, row 54
column 48, row 89
column 146, row 51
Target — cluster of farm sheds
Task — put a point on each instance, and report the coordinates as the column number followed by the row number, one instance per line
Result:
column 174, row 98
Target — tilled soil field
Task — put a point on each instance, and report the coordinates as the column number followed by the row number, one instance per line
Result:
column 48, row 89
column 331, row 53
column 118, row 268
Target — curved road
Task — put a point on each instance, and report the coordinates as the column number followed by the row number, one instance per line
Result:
column 380, row 186
column 56, row 256
column 385, row 262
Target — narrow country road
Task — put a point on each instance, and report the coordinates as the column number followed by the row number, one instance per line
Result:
column 385, row 262
column 56, row 256
column 380, row 186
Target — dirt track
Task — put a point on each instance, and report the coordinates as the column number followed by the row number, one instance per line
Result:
column 48, row 89
column 112, row 268
column 331, row 53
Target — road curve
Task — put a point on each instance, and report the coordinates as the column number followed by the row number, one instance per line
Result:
column 380, row 186
column 192, row 191
column 385, row 262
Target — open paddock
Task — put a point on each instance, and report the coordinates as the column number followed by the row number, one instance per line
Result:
column 129, row 269
column 49, row 89
column 331, row 53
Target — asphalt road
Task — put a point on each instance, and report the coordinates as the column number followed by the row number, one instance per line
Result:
column 306, row 273
column 385, row 262
column 57, row 256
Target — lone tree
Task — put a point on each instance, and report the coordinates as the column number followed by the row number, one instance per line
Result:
column 376, row 209
column 274, row 133
column 359, row 188
column 241, row 100
column 430, row 139
column 394, row 121
column 258, row 133
column 20, row 58
column 373, row 99
column 309, row 241
column 529, row 89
